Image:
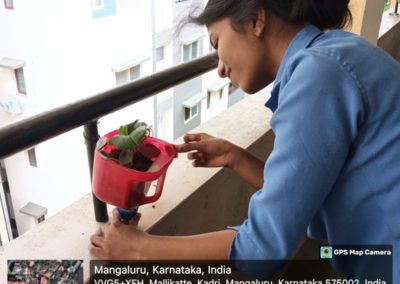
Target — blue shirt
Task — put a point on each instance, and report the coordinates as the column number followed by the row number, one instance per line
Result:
column 334, row 171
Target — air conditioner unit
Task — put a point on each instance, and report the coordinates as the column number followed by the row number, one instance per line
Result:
column 11, row 104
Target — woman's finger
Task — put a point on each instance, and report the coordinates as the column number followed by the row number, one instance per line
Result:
column 95, row 251
column 193, row 137
column 99, row 232
column 199, row 163
column 190, row 146
column 97, row 240
column 135, row 220
column 115, row 214
column 180, row 148
column 195, row 155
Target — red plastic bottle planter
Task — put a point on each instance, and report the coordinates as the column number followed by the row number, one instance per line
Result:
column 127, row 188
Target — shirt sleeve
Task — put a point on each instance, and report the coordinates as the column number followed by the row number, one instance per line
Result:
column 319, row 111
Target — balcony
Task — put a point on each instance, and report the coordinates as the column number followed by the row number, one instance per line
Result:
column 199, row 201
column 191, row 196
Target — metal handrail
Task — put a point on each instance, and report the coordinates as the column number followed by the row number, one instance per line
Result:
column 31, row 131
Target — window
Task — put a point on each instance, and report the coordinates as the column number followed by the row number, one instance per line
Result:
column 121, row 77
column 127, row 75
column 134, row 72
column 97, row 4
column 19, row 77
column 191, row 112
column 215, row 92
column 103, row 8
column 194, row 49
column 32, row 157
column 191, row 105
column 160, row 53
column 9, row 4
column 213, row 96
column 189, row 51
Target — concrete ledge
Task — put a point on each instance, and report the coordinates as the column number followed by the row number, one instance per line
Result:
column 63, row 236
column 220, row 201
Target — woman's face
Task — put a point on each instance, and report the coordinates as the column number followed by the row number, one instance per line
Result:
column 243, row 56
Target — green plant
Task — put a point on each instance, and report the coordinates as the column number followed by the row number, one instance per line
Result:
column 126, row 146
column 387, row 5
column 130, row 135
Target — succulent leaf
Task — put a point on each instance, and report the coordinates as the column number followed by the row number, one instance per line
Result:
column 123, row 130
column 138, row 134
column 127, row 149
column 125, row 158
column 132, row 126
column 122, row 142
column 101, row 143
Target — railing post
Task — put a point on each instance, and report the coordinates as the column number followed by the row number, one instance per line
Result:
column 91, row 135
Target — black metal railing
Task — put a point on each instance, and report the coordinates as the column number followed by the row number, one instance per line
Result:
column 29, row 132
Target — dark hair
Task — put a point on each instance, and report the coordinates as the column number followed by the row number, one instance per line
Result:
column 325, row 14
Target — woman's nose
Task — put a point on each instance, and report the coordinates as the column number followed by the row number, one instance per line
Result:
column 221, row 69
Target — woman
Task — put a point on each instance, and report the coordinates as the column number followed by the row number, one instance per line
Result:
column 336, row 157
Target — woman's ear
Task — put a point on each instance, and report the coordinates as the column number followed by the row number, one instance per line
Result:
column 259, row 23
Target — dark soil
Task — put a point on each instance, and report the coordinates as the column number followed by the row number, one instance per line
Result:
column 140, row 162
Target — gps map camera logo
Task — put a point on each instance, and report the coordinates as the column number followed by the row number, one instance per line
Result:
column 326, row 252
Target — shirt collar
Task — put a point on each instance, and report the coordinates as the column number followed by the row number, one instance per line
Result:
column 303, row 39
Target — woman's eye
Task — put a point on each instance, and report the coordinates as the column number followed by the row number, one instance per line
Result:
column 215, row 45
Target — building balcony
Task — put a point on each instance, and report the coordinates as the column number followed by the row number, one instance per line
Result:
column 189, row 204
column 194, row 200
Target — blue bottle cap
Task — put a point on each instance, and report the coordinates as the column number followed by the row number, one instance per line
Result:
column 127, row 215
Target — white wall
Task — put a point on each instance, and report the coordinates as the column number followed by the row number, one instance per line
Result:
column 7, row 82
column 62, row 176
column 163, row 14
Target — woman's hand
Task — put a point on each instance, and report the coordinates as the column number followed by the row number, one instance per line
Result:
column 208, row 151
column 118, row 240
